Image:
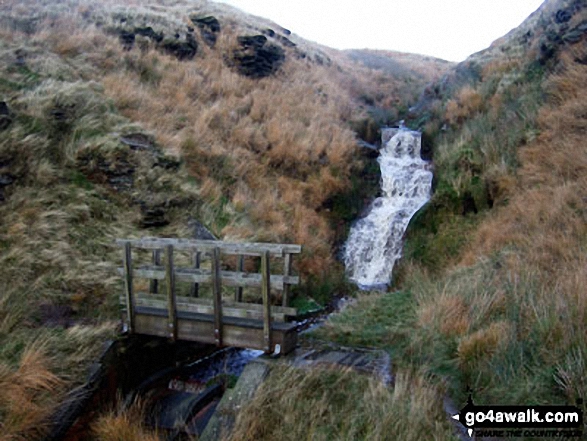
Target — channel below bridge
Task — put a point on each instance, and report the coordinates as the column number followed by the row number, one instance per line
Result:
column 210, row 292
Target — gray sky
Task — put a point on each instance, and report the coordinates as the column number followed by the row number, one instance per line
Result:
column 449, row 29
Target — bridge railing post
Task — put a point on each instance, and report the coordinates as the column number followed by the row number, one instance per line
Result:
column 217, row 293
column 286, row 273
column 154, row 283
column 195, row 289
column 240, row 266
column 171, row 300
column 128, row 287
column 266, row 293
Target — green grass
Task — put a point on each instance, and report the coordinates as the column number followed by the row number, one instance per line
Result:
column 332, row 404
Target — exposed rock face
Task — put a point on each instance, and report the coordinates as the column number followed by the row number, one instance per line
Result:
column 153, row 217
column 563, row 15
column 5, row 117
column 209, row 28
column 256, row 58
column 182, row 50
column 118, row 173
column 150, row 33
column 127, row 39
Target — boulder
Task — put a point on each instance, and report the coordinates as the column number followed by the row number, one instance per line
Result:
column 255, row 58
column 200, row 231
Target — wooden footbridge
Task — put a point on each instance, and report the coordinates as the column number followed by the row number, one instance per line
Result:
column 197, row 305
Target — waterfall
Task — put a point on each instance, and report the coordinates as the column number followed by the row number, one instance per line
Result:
column 375, row 241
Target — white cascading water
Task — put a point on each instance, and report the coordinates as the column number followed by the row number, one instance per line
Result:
column 375, row 241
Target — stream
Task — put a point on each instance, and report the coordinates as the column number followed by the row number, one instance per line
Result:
column 375, row 241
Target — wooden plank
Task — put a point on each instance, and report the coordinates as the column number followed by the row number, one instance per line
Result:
column 206, row 306
column 247, row 249
column 266, row 293
column 286, row 272
column 228, row 278
column 240, row 266
column 154, row 283
column 235, row 333
column 227, row 310
column 195, row 289
column 171, row 301
column 217, row 294
column 128, row 286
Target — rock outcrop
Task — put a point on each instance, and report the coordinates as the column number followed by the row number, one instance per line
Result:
column 256, row 58
column 209, row 28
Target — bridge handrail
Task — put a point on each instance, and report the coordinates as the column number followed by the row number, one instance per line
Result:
column 168, row 271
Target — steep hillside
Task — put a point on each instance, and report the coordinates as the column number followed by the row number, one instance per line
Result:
column 493, row 284
column 157, row 119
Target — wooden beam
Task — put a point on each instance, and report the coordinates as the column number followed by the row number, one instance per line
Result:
column 247, row 249
column 286, row 286
column 217, row 294
column 195, row 289
column 236, row 332
column 229, row 278
column 206, row 306
column 266, row 293
column 128, row 287
column 171, row 301
column 154, row 283
column 240, row 266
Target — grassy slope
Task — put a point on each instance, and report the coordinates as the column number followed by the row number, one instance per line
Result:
column 493, row 295
column 269, row 159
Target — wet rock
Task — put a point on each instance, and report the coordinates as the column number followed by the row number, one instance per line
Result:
column 256, row 58
column 127, row 39
column 200, row 231
column 209, row 28
column 5, row 116
column 150, row 33
column 138, row 141
column 182, row 50
column 563, row 15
